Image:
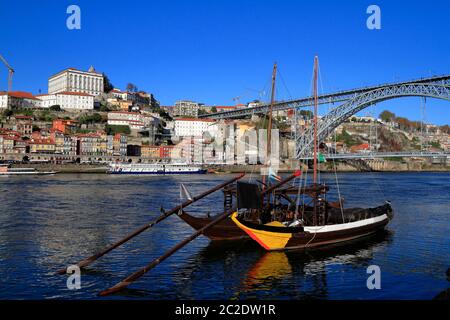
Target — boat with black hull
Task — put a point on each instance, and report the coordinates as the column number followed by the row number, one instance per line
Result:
column 318, row 224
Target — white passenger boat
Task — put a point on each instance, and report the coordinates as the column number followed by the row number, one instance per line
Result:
column 155, row 168
column 6, row 170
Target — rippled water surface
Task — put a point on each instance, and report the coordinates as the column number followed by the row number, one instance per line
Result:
column 47, row 222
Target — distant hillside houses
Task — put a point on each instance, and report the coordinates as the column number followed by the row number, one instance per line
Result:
column 131, row 101
column 134, row 120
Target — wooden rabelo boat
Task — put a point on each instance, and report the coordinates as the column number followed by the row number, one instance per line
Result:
column 334, row 225
column 274, row 225
column 228, row 230
column 320, row 224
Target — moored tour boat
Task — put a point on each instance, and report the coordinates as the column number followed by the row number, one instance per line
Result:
column 6, row 170
column 155, row 168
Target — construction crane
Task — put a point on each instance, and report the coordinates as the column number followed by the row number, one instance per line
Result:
column 237, row 100
column 10, row 73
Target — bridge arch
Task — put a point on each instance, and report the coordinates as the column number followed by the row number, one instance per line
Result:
column 339, row 114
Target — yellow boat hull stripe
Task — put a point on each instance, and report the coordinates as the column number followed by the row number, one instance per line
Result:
column 268, row 240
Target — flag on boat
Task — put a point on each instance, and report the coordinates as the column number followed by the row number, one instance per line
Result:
column 273, row 175
column 321, row 158
column 184, row 193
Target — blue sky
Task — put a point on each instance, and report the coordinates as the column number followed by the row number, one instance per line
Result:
column 213, row 51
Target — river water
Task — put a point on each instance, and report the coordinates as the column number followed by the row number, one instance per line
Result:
column 48, row 222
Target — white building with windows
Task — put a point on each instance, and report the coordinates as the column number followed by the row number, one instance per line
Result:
column 18, row 100
column 68, row 100
column 134, row 120
column 185, row 127
column 73, row 80
column 186, row 108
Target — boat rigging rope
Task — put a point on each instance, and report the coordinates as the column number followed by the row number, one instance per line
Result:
column 341, row 205
column 372, row 174
column 335, row 152
column 314, row 236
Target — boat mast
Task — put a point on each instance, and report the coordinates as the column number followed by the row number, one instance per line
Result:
column 316, row 63
column 269, row 125
column 272, row 101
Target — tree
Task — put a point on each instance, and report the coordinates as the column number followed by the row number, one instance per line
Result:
column 90, row 118
column 445, row 128
column 308, row 114
column 104, row 107
column 165, row 115
column 214, row 109
column 55, row 107
column 107, row 85
column 7, row 113
column 387, row 116
column 131, row 87
column 111, row 129
column 45, row 116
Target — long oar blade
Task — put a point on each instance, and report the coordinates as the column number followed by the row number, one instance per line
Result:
column 89, row 260
column 136, row 275
column 126, row 282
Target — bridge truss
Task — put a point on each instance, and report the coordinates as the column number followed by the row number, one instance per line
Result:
column 337, row 115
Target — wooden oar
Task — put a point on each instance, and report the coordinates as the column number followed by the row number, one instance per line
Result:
column 136, row 275
column 87, row 261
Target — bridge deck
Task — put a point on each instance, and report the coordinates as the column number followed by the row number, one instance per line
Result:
column 373, row 155
column 322, row 99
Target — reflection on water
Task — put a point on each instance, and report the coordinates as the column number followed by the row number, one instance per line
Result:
column 277, row 273
column 50, row 221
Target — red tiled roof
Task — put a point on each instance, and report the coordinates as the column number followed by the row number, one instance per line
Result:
column 224, row 107
column 363, row 146
column 55, row 130
column 19, row 94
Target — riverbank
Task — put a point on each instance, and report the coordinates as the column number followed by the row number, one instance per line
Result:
column 356, row 166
